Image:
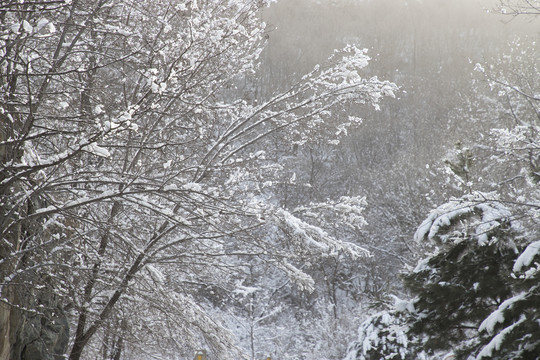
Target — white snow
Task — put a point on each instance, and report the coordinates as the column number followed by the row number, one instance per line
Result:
column 496, row 342
column 170, row 187
column 478, row 67
column 41, row 23
column 98, row 109
column 498, row 315
column 403, row 305
column 27, row 27
column 527, row 256
column 155, row 274
column 97, row 150
column 300, row 278
column 46, row 209
column 422, row 266
column 77, row 202
column 192, row 187
column 244, row 290
column 395, row 341
column 493, row 214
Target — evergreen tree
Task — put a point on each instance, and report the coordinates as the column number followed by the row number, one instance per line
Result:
column 467, row 278
column 476, row 296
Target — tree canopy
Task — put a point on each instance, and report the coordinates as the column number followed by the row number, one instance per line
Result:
column 138, row 173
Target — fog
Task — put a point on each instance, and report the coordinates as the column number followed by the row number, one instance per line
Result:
column 429, row 48
column 412, row 37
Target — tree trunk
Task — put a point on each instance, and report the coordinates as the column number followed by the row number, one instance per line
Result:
column 5, row 345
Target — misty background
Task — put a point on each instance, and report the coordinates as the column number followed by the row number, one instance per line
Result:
column 429, row 49
column 396, row 159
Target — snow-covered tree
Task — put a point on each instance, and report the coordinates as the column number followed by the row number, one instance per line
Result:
column 472, row 296
column 463, row 282
column 475, row 296
column 136, row 176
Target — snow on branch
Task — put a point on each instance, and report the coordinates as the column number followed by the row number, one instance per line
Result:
column 527, row 256
column 315, row 237
column 486, row 215
column 383, row 335
column 300, row 278
column 497, row 341
column 498, row 315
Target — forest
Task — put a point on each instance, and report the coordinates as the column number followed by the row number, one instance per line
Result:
column 262, row 179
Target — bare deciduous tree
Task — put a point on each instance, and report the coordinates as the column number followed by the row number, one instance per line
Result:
column 134, row 173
